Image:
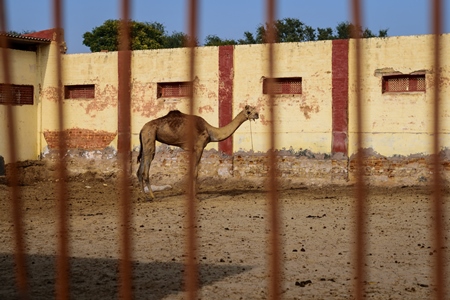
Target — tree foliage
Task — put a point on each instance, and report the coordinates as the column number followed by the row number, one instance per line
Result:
column 286, row 31
column 293, row 30
column 144, row 35
column 346, row 30
column 214, row 40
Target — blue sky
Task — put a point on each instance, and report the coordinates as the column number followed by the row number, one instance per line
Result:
column 227, row 19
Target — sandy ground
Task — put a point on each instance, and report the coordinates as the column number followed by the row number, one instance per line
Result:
column 317, row 233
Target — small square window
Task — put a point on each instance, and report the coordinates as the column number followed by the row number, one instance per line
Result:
column 80, row 91
column 281, row 86
column 20, row 94
column 174, row 89
column 403, row 83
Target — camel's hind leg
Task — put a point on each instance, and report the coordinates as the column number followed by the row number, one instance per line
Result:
column 198, row 151
column 147, row 153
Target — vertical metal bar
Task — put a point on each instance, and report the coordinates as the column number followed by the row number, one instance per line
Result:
column 191, row 274
column 62, row 260
column 16, row 200
column 439, row 241
column 124, row 147
column 360, row 207
column 274, row 234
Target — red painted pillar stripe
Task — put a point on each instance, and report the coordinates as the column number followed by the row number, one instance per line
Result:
column 340, row 96
column 226, row 74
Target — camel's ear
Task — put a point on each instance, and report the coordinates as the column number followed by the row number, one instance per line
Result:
column 247, row 107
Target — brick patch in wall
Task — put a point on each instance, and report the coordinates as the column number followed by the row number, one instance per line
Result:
column 381, row 170
column 78, row 138
column 340, row 96
column 226, row 74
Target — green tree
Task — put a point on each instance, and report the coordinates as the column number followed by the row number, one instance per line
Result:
column 146, row 36
column 143, row 35
column 345, row 31
column 248, row 39
column 383, row 32
column 175, row 40
column 214, row 40
column 325, row 34
column 293, row 30
column 104, row 37
column 286, row 30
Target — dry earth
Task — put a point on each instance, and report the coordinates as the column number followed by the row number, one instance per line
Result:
column 317, row 233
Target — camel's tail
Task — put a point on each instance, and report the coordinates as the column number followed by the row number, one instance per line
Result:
column 140, row 148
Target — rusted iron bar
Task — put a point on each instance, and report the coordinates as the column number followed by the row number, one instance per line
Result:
column 191, row 273
column 124, row 150
column 438, row 208
column 15, row 198
column 62, row 260
column 360, row 190
column 274, row 258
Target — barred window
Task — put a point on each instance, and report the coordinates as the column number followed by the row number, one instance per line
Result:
column 404, row 83
column 16, row 94
column 174, row 89
column 80, row 91
column 288, row 85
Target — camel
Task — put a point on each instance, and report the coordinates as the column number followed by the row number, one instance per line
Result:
column 172, row 130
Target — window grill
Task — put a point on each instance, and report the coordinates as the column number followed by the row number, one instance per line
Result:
column 86, row 91
column 281, row 86
column 404, row 83
column 174, row 89
column 20, row 94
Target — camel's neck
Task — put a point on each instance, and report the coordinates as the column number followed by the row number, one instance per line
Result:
column 220, row 134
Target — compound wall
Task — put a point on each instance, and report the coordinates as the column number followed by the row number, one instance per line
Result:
column 318, row 123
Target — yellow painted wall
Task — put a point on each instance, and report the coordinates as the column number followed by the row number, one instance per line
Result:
column 99, row 69
column 98, row 114
column 394, row 124
column 172, row 65
column 301, row 121
column 398, row 123
column 24, row 68
column 148, row 69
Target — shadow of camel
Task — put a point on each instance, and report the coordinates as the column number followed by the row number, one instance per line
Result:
column 95, row 278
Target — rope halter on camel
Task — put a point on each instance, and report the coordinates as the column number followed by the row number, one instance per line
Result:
column 251, row 134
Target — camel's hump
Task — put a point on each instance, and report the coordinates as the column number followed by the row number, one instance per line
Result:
column 174, row 112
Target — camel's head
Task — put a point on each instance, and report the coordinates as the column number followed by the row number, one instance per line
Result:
column 251, row 112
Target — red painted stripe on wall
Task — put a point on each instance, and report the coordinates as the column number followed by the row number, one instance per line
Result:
column 340, row 96
column 226, row 74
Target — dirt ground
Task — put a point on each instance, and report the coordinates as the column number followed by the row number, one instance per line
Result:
column 317, row 233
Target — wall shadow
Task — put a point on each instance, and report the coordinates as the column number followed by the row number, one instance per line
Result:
column 94, row 278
